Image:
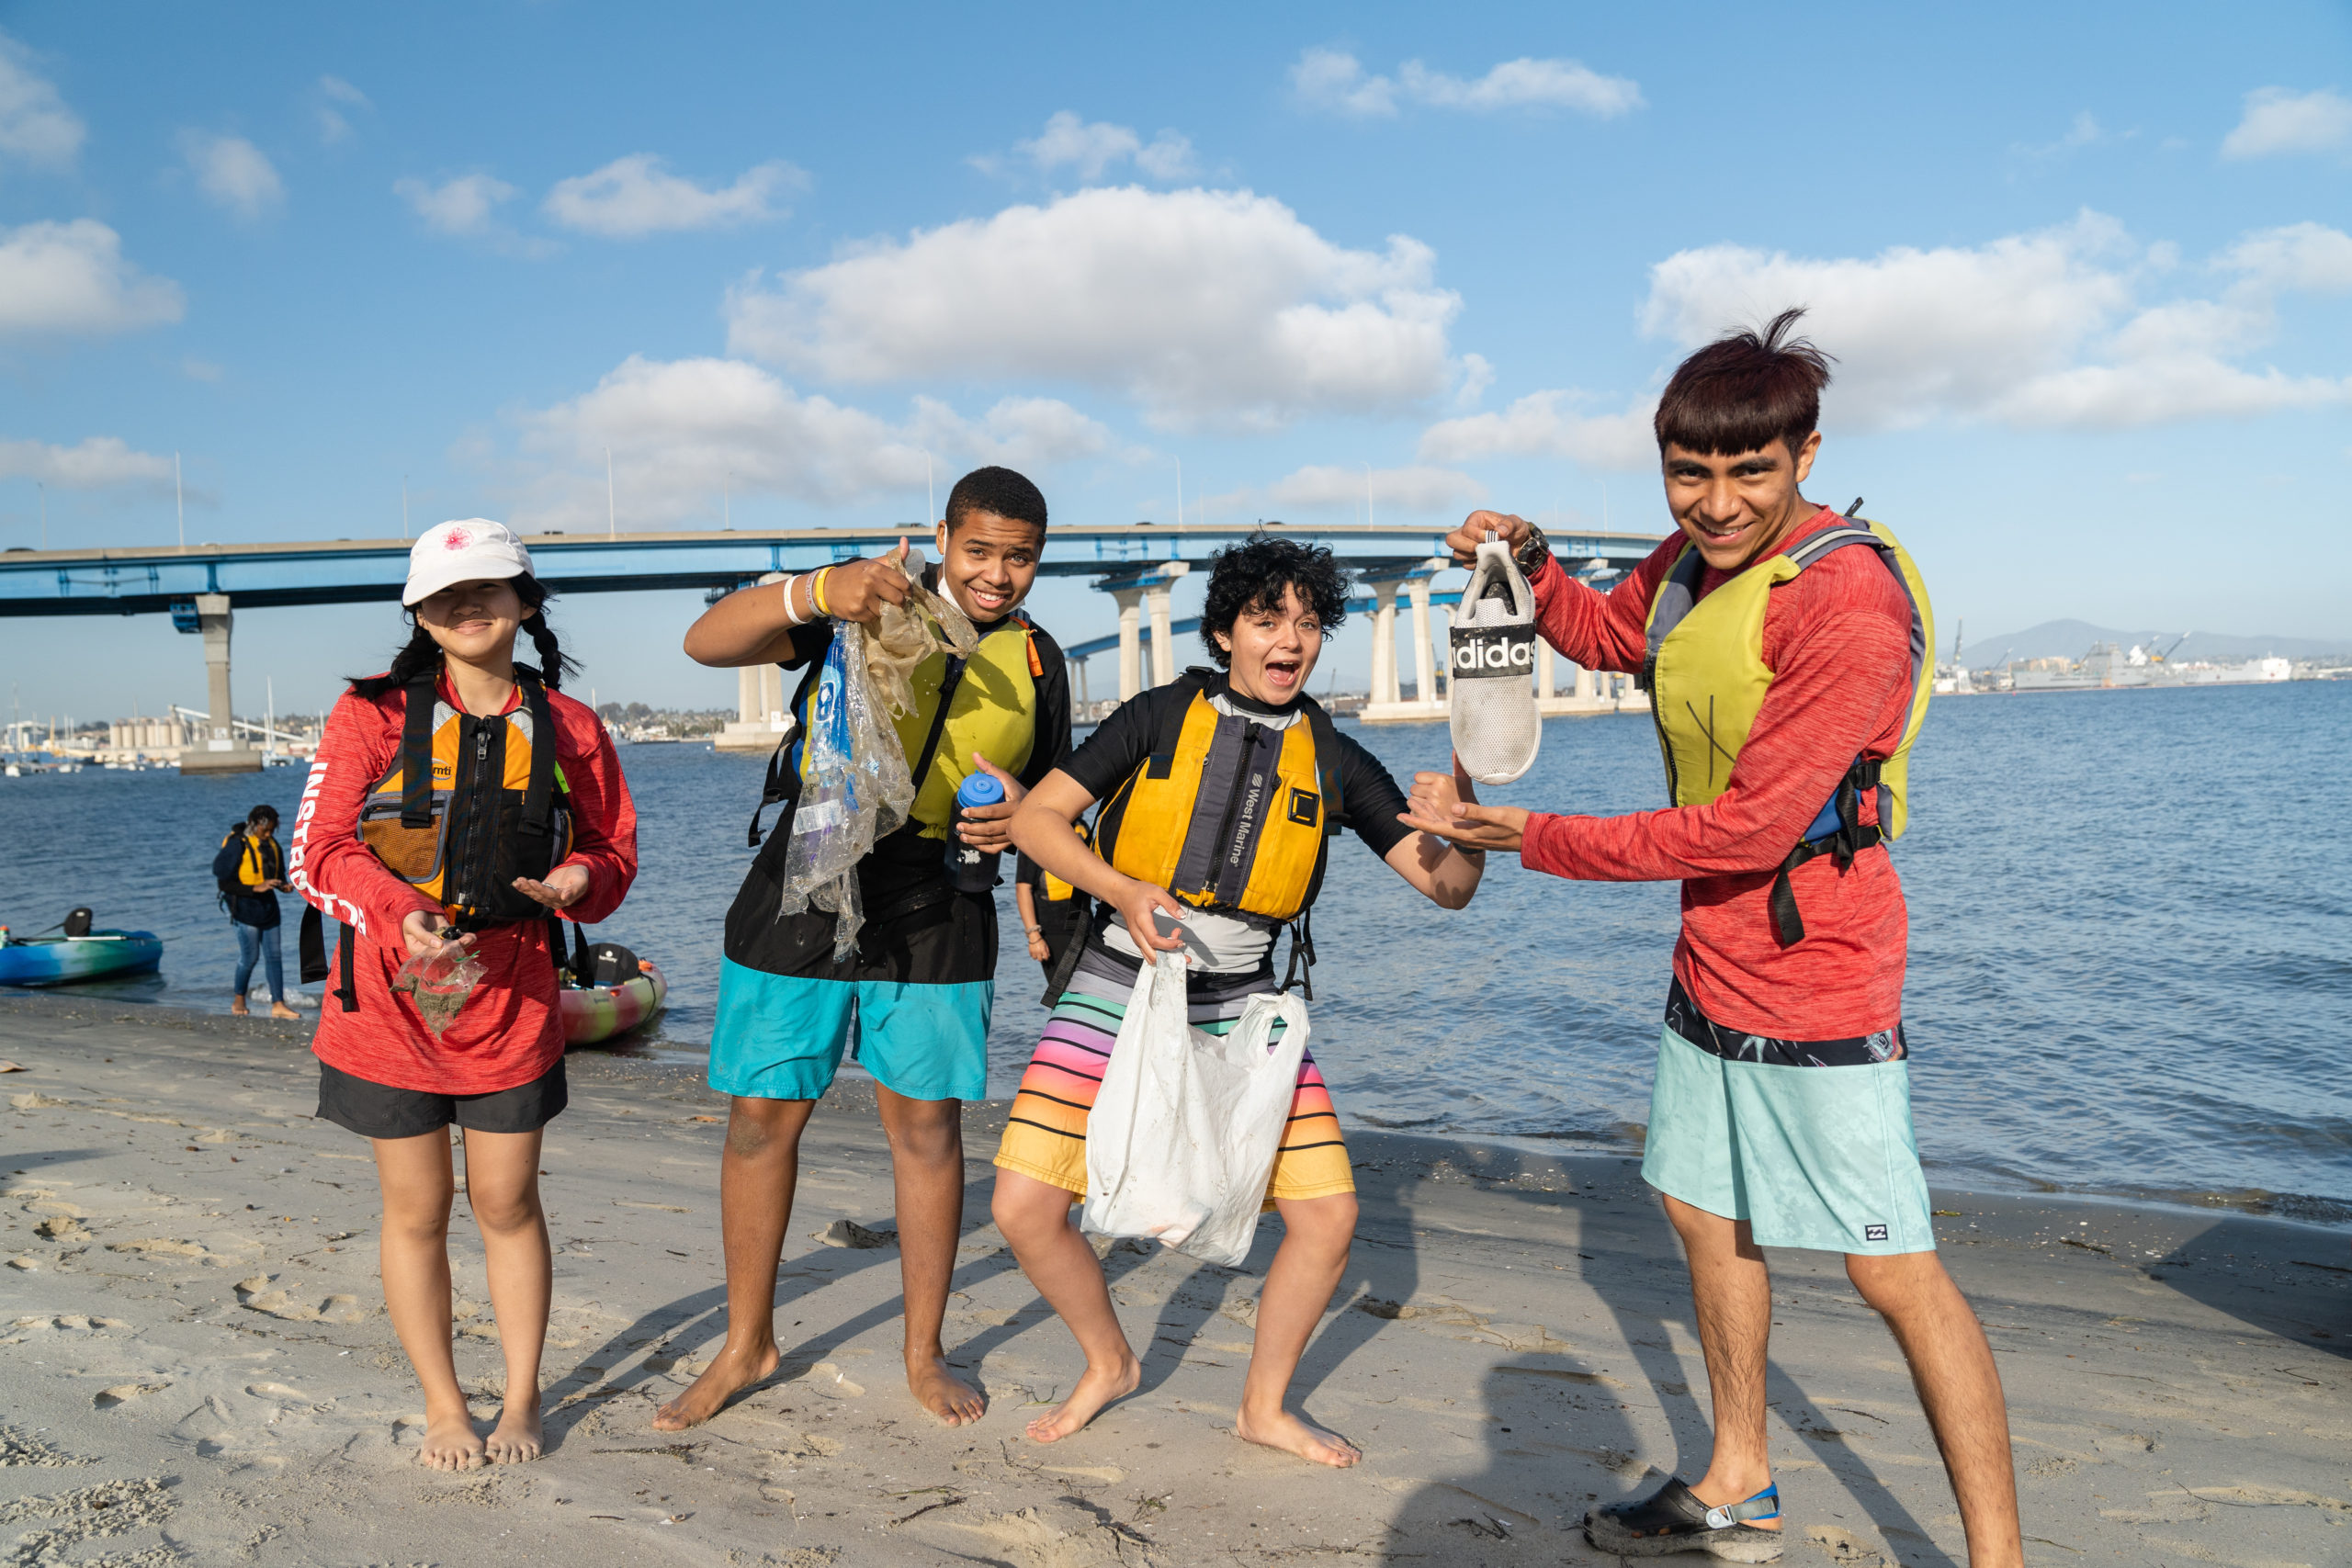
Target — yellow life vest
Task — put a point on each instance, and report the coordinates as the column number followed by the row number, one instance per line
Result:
column 1225, row 813
column 992, row 710
column 472, row 803
column 1705, row 674
column 259, row 861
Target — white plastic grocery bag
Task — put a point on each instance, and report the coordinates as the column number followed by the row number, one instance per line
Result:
column 1182, row 1136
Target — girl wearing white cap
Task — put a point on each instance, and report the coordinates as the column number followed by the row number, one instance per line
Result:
column 459, row 800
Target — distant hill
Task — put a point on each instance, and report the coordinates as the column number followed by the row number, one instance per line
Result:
column 2071, row 639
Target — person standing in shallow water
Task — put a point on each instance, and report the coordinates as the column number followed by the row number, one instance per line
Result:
column 916, row 993
column 459, row 748
column 250, row 871
column 1783, row 649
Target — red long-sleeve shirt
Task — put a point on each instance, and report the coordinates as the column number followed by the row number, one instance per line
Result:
column 1837, row 640
column 511, row 1030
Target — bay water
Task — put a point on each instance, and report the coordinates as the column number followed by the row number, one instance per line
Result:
column 2130, row 938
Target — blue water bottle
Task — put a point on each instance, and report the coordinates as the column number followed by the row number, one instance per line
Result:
column 970, row 868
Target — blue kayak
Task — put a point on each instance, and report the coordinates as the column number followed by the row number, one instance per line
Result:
column 57, row 960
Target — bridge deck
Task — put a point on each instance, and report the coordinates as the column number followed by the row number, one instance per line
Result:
column 341, row 571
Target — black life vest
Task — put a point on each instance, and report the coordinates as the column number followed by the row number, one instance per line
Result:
column 472, row 803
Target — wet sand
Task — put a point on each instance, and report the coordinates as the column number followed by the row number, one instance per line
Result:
column 198, row 1369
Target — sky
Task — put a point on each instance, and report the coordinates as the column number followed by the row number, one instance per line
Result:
column 2084, row 271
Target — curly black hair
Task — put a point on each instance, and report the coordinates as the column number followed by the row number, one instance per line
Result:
column 1251, row 576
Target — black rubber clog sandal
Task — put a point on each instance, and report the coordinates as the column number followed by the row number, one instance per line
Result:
column 1672, row 1520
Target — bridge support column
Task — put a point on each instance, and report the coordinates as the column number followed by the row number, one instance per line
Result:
column 215, row 748
column 758, row 705
column 1143, row 597
column 1383, row 689
column 1387, row 704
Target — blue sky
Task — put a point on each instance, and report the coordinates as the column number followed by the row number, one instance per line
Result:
column 2084, row 269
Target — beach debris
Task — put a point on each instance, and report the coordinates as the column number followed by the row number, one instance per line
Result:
column 439, row 983
column 827, row 1378
column 29, row 1265
column 849, row 1232
column 124, row 1392
column 9, row 1067
column 35, row 1102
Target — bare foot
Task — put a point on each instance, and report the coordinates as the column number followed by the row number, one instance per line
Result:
column 279, row 1009
column 949, row 1398
column 237, row 1005
column 1293, row 1435
column 1094, row 1391
column 516, row 1437
column 729, row 1373
column 450, row 1443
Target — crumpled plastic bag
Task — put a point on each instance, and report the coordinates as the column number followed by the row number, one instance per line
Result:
column 907, row 635
column 855, row 787
column 1181, row 1140
column 439, row 983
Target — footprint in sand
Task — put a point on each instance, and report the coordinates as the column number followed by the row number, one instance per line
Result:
column 279, row 1391
column 124, row 1392
column 255, row 1295
column 829, row 1379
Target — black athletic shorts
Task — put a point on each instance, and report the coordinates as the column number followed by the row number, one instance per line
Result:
column 379, row 1110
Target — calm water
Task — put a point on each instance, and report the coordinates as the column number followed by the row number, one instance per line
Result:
column 2128, row 915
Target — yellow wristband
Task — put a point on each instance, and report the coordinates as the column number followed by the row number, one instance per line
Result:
column 816, row 592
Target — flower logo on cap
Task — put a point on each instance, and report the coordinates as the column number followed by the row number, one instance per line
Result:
column 456, row 539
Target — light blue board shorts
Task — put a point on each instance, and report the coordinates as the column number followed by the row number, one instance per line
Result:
column 782, row 1036
column 1816, row 1157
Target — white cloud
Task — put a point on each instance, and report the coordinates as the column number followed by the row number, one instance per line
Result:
column 2085, row 131
column 100, row 462
column 2032, row 330
column 1524, row 84
column 36, row 126
column 1208, row 308
column 232, row 171
column 1548, row 424
column 197, row 370
column 1333, row 79
column 1327, row 488
column 1089, row 147
column 335, row 91
column 636, row 196
column 2308, row 257
column 683, row 431
column 71, row 277
column 2052, row 329
column 461, row 206
column 2280, row 119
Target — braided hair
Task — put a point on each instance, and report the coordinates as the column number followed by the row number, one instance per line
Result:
column 421, row 653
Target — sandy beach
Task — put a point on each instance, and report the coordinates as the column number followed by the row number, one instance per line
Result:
column 199, row 1368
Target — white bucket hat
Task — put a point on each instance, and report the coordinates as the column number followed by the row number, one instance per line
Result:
column 462, row 552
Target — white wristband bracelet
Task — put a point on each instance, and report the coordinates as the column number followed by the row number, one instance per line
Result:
column 791, row 616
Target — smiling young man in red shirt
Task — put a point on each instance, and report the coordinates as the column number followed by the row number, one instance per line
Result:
column 1784, row 648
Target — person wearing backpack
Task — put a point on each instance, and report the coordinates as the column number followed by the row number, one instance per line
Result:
column 1786, row 650
column 250, row 871
column 460, row 806
column 1220, row 794
column 917, row 991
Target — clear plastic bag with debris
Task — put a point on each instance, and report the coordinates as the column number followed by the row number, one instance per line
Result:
column 439, row 983
column 854, row 783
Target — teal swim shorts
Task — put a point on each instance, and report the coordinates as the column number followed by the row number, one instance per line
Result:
column 783, row 1036
column 1813, row 1156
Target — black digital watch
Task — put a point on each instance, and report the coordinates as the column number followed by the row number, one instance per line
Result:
column 1533, row 551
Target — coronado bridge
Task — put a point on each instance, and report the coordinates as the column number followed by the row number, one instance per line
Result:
column 1137, row 564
